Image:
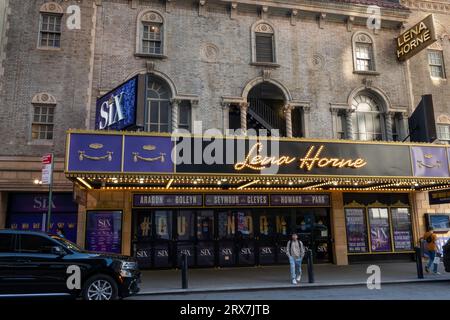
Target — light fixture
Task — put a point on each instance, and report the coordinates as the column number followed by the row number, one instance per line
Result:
column 248, row 184
column 170, row 183
column 87, row 185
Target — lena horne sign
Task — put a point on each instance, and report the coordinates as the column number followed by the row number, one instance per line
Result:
column 137, row 153
column 415, row 39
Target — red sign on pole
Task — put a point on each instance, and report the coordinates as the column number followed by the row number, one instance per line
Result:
column 47, row 159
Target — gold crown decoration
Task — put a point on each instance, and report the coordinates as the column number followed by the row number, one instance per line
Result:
column 96, row 146
column 428, row 156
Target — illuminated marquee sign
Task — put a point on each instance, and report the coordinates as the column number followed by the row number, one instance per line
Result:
column 312, row 159
column 415, row 39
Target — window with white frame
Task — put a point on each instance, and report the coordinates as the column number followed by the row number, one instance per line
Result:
column 43, row 122
column 263, row 43
column 367, row 118
column 436, row 63
column 50, row 30
column 363, row 52
column 158, row 106
column 443, row 132
column 151, row 34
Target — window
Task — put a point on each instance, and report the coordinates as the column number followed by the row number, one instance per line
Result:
column 185, row 116
column 35, row 244
column 6, row 243
column 340, row 125
column 43, row 122
column 443, row 132
column 50, row 30
column 436, row 63
column 151, row 38
column 366, row 120
column 150, row 31
column 263, row 44
column 158, row 113
column 363, row 52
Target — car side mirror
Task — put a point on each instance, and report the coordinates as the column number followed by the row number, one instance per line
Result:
column 57, row 250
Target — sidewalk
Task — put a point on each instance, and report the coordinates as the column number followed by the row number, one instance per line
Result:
column 277, row 277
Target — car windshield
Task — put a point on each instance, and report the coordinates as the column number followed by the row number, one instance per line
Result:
column 68, row 244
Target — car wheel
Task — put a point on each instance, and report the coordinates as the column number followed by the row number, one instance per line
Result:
column 100, row 287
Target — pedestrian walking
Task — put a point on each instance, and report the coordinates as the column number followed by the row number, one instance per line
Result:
column 295, row 250
column 430, row 243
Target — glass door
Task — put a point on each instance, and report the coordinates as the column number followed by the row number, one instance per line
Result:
column 266, row 237
column 185, row 236
column 322, row 247
column 163, row 244
column 205, row 246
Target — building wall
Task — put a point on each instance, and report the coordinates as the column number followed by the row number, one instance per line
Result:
column 28, row 71
column 421, row 81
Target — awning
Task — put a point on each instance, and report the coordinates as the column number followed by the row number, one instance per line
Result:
column 144, row 161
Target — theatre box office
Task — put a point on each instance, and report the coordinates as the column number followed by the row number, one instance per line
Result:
column 234, row 200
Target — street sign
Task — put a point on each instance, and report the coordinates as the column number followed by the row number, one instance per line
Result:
column 47, row 161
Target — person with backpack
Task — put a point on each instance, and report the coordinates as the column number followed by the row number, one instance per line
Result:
column 295, row 250
column 431, row 239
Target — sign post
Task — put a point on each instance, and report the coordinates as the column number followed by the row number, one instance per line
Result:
column 47, row 179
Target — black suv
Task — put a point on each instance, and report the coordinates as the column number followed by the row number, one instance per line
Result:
column 446, row 250
column 41, row 264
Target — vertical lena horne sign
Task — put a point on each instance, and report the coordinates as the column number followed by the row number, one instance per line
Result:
column 104, row 231
column 415, row 39
column 116, row 110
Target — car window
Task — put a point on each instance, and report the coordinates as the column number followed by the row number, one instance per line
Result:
column 35, row 244
column 6, row 243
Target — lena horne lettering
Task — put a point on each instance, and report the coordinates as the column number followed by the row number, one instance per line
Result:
column 313, row 159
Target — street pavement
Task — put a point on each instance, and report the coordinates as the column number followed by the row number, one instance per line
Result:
column 277, row 277
column 401, row 291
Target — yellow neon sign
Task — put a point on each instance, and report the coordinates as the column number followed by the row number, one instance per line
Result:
column 311, row 160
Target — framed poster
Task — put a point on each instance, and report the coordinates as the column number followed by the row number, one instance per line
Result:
column 104, row 231
column 402, row 229
column 356, row 227
column 380, row 231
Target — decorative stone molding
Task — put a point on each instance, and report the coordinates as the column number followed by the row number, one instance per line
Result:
column 317, row 61
column 43, row 98
column 321, row 19
column 150, row 66
column 233, row 10
column 209, row 52
column 264, row 12
column 294, row 14
column 51, row 7
column 266, row 74
column 264, row 28
column 152, row 16
column 443, row 119
column 426, row 5
column 436, row 46
column 350, row 21
column 202, row 8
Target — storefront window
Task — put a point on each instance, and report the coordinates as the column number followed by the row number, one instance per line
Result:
column 163, row 225
column 401, row 225
column 245, row 224
column 205, row 225
column 380, row 235
column 185, row 225
column 283, row 224
column 144, row 226
column 227, row 225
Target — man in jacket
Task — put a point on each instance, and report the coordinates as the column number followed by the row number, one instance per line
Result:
column 295, row 250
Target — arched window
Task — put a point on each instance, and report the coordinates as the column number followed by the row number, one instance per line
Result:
column 158, row 108
column 366, row 118
column 263, row 43
column 363, row 52
column 50, row 25
column 150, row 33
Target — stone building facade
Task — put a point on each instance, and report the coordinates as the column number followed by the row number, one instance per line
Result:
column 206, row 57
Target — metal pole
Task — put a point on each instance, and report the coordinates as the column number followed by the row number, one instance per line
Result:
column 310, row 267
column 184, row 269
column 50, row 196
column 418, row 251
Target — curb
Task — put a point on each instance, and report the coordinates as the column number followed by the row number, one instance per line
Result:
column 281, row 287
